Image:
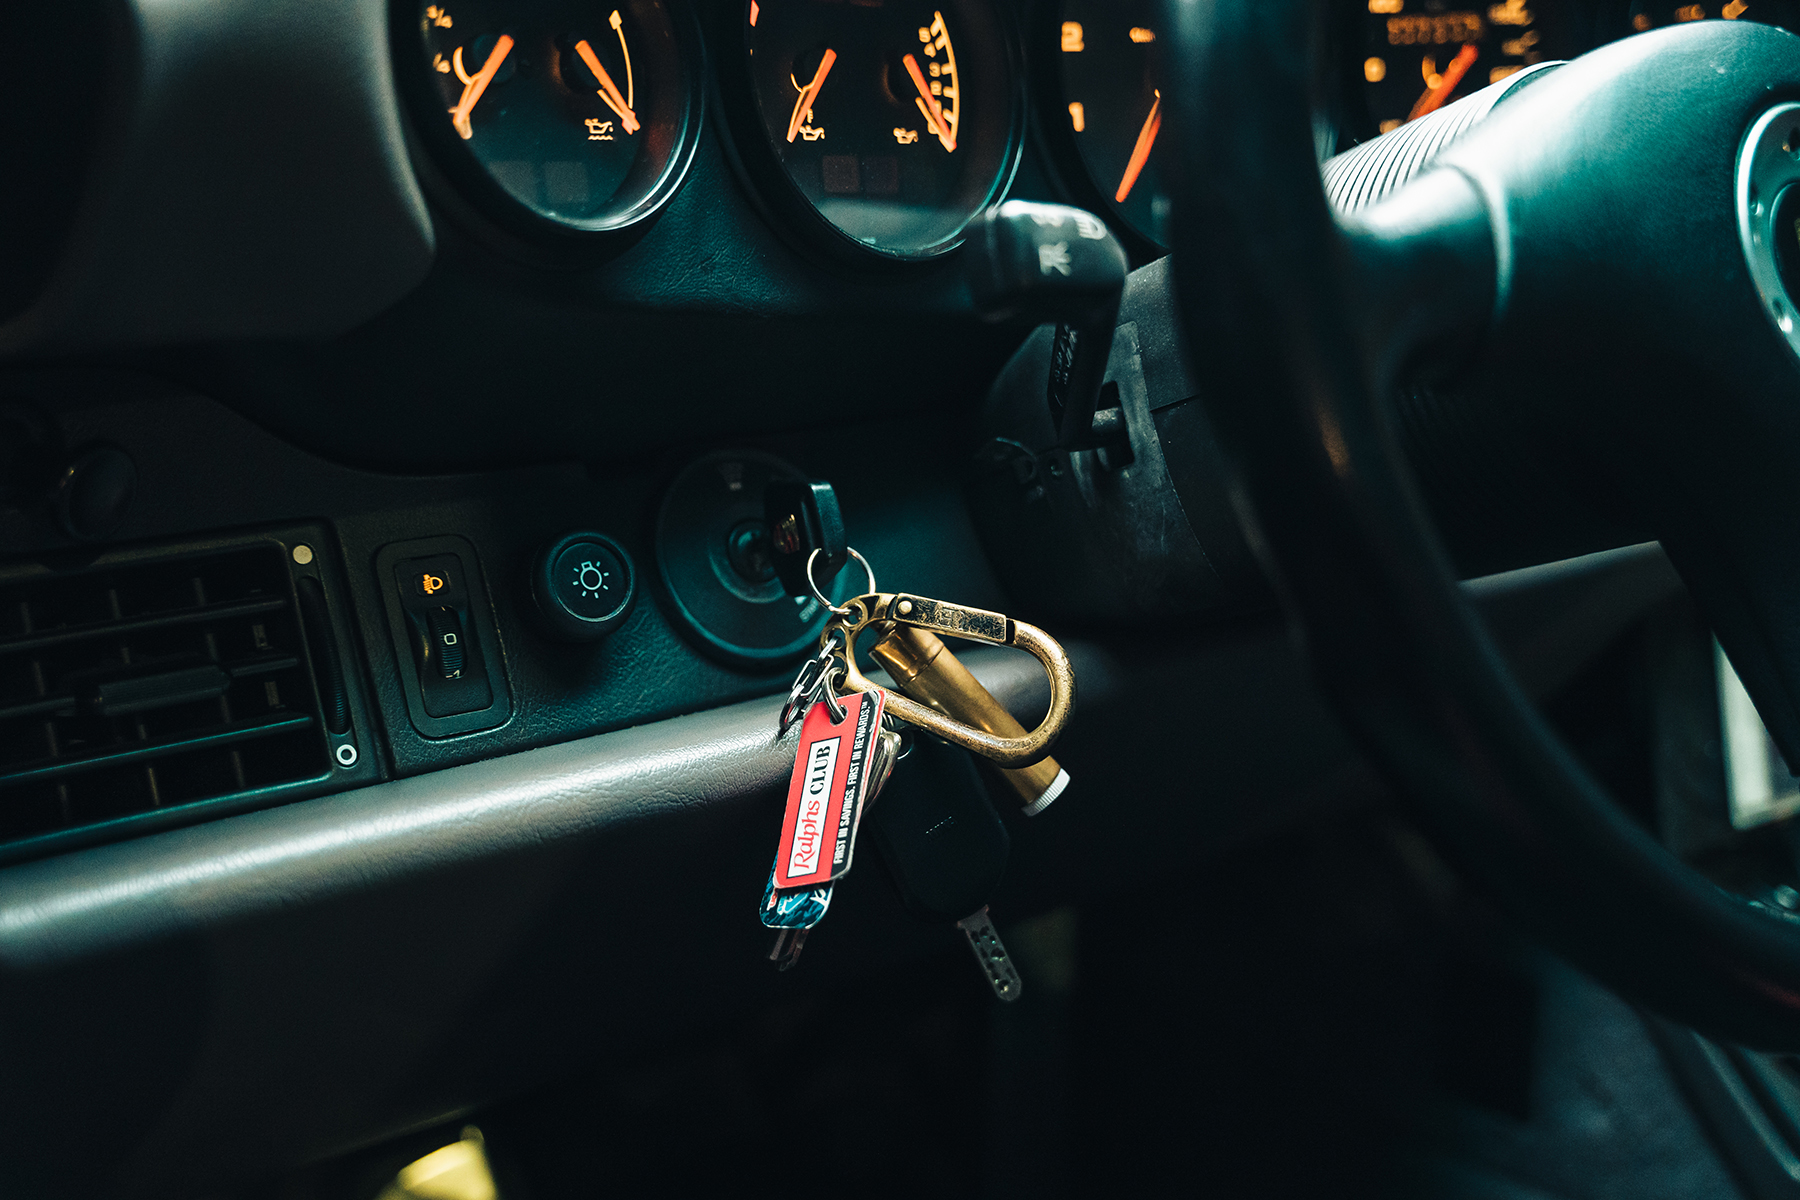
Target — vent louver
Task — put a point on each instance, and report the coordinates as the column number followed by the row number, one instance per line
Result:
column 144, row 686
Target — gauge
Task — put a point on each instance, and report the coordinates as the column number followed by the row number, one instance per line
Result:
column 1654, row 14
column 571, row 115
column 895, row 122
column 1417, row 57
column 1111, row 107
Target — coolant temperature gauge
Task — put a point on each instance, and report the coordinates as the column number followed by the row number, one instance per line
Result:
column 559, row 115
column 891, row 124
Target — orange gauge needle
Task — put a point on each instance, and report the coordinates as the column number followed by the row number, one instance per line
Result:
column 803, row 106
column 459, row 116
column 618, row 26
column 1140, row 153
column 1452, row 75
column 929, row 106
column 609, row 91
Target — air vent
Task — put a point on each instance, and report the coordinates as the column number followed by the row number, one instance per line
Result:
column 133, row 688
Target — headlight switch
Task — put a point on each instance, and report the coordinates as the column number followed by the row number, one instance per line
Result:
column 584, row 586
column 434, row 595
column 444, row 636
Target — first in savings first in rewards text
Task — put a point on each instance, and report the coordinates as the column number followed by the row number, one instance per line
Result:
column 825, row 795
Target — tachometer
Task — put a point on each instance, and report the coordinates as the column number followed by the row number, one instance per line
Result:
column 567, row 115
column 1418, row 56
column 894, row 123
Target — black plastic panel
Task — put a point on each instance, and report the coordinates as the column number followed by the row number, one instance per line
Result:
column 201, row 466
column 248, row 173
column 47, row 118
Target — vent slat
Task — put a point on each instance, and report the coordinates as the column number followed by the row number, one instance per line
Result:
column 61, row 706
column 121, row 628
column 147, row 693
column 261, row 666
column 146, row 751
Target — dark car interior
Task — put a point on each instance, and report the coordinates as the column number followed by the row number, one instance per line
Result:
column 1293, row 497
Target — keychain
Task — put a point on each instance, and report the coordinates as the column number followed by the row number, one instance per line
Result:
column 940, row 695
column 850, row 728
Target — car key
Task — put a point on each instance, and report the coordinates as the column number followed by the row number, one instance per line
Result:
column 806, row 534
column 946, row 848
column 945, row 868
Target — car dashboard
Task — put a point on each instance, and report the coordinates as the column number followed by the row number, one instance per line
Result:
column 388, row 393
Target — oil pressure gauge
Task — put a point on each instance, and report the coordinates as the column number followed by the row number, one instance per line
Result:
column 886, row 127
column 560, row 116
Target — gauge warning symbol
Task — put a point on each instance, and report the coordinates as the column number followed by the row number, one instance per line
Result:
column 430, row 583
column 590, row 579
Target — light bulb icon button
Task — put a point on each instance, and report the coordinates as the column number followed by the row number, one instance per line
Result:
column 583, row 585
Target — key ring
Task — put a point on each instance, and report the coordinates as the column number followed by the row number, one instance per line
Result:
column 837, row 610
column 814, row 684
column 977, row 625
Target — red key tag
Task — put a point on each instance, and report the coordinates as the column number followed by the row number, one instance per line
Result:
column 825, row 797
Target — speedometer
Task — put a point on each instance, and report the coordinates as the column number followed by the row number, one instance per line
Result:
column 1417, row 56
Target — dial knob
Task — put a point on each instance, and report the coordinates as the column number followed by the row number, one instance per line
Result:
column 584, row 586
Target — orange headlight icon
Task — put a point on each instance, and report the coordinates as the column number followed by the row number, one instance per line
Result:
column 431, row 584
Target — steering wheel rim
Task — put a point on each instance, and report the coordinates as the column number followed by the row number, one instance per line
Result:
column 1298, row 320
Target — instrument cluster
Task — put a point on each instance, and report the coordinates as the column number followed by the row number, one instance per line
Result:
column 872, row 131
column 877, row 130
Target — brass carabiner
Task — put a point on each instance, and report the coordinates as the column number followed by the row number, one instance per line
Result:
column 975, row 624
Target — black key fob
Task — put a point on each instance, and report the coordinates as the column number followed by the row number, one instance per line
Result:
column 938, row 833
column 804, row 518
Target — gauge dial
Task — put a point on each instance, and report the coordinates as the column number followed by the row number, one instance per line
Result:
column 578, row 114
column 1654, row 14
column 1111, row 98
column 895, row 122
column 1418, row 57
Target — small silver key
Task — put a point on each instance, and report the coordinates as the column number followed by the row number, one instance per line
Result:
column 890, row 748
column 788, row 944
column 990, row 952
column 806, row 909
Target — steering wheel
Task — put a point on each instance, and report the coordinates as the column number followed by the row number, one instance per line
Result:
column 1628, row 219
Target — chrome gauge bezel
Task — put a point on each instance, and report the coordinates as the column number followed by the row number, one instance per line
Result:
column 787, row 208
column 1768, row 166
column 459, row 183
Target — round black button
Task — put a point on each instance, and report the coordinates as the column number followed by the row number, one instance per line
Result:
column 584, row 585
